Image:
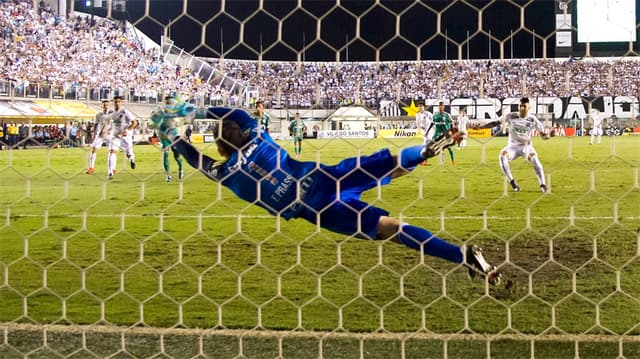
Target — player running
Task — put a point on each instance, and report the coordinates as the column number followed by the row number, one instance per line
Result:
column 122, row 127
column 101, row 133
column 521, row 126
column 258, row 170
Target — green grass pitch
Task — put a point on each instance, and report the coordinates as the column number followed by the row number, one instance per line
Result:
column 137, row 251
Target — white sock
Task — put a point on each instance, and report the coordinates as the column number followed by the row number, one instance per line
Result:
column 92, row 160
column 537, row 166
column 506, row 168
column 112, row 162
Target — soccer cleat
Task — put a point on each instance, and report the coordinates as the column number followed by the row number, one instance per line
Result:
column 543, row 188
column 515, row 186
column 110, row 176
column 477, row 265
column 453, row 163
column 169, row 178
column 89, row 170
column 133, row 165
column 424, row 163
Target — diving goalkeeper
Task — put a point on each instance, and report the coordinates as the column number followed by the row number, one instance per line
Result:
column 258, row 170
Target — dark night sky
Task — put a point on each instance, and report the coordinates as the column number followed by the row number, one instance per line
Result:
column 244, row 31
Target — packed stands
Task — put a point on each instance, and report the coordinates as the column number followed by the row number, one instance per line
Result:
column 68, row 53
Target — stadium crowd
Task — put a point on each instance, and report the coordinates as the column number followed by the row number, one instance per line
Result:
column 367, row 83
column 42, row 47
column 15, row 135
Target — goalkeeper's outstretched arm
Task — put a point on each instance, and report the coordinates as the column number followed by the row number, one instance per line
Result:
column 196, row 159
column 477, row 124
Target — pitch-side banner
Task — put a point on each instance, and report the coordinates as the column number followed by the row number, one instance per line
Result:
column 400, row 133
column 480, row 133
column 557, row 107
column 202, row 138
column 346, row 134
column 404, row 133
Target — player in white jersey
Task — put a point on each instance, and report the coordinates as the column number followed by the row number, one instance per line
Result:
column 521, row 127
column 463, row 122
column 424, row 123
column 122, row 125
column 596, row 116
column 101, row 133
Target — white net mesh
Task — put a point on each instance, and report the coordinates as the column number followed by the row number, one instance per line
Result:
column 136, row 267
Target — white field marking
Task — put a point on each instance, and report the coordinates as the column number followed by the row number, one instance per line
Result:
column 113, row 329
column 501, row 218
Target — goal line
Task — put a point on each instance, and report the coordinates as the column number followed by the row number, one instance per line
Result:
column 113, row 329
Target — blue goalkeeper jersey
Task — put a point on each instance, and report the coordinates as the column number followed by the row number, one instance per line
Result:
column 264, row 174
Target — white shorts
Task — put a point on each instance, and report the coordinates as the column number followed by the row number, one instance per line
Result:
column 124, row 142
column 596, row 131
column 463, row 130
column 98, row 141
column 515, row 150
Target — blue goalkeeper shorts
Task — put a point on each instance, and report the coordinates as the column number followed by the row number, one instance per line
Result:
column 336, row 202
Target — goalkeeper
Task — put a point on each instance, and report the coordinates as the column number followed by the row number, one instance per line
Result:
column 165, row 123
column 258, row 170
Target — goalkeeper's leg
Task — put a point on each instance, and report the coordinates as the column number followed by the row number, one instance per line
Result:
column 176, row 156
column 422, row 240
column 166, row 144
column 165, row 163
column 470, row 256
